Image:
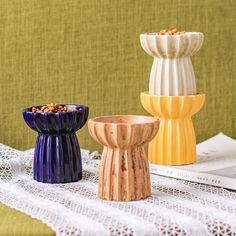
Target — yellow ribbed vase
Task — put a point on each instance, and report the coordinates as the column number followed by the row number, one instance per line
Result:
column 175, row 143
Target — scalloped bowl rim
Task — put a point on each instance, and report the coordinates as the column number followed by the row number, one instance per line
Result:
column 178, row 35
column 67, row 105
column 138, row 120
column 146, row 93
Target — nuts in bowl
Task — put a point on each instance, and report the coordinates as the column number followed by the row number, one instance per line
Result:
column 168, row 32
column 57, row 157
column 51, row 107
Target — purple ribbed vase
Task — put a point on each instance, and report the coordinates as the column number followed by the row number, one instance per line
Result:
column 57, row 157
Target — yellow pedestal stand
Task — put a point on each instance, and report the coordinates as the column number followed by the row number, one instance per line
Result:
column 175, row 143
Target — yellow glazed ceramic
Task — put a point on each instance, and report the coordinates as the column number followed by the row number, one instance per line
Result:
column 175, row 143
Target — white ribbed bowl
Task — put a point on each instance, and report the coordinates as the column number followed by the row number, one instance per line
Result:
column 172, row 71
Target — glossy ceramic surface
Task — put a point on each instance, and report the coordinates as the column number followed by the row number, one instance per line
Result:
column 175, row 143
column 172, row 72
column 57, row 157
column 124, row 170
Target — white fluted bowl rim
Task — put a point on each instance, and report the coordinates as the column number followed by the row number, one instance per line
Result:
column 172, row 46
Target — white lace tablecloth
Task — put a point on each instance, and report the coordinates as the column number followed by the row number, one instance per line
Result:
column 176, row 207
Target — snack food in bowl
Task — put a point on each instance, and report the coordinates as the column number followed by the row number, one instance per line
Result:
column 57, row 157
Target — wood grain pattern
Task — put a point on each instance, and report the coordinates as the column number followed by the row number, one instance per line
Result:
column 124, row 170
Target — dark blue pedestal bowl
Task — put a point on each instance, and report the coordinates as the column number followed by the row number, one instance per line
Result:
column 57, row 157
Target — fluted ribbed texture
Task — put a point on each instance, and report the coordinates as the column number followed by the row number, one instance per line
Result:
column 172, row 77
column 57, row 157
column 175, row 143
column 124, row 170
column 172, row 71
column 172, row 46
column 124, row 174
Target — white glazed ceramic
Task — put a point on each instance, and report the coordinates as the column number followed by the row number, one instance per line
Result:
column 172, row 71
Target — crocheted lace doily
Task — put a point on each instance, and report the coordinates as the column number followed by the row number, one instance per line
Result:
column 176, row 207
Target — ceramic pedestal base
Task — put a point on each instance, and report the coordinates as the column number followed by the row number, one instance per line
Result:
column 175, row 143
column 124, row 170
column 57, row 159
column 124, row 174
column 172, row 71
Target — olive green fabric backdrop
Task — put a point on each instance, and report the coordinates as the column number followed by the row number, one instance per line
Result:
column 88, row 52
column 15, row 223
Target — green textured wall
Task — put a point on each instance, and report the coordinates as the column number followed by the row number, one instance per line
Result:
column 88, row 52
column 15, row 223
column 78, row 51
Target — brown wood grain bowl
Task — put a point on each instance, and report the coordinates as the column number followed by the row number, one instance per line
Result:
column 124, row 170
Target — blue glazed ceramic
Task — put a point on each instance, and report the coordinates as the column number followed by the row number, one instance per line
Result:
column 57, row 157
